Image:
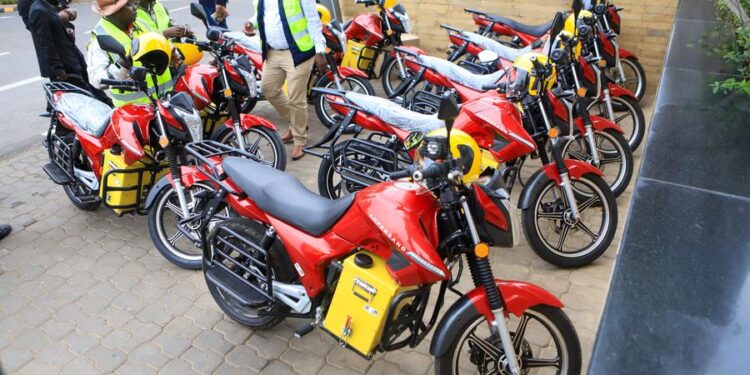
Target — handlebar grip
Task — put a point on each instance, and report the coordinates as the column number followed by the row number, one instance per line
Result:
column 432, row 171
column 115, row 82
column 400, row 174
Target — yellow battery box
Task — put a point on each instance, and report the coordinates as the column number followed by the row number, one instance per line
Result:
column 359, row 55
column 361, row 301
column 123, row 186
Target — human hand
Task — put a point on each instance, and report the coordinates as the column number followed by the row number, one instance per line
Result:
column 60, row 75
column 321, row 63
column 72, row 13
column 249, row 29
column 174, row 32
column 124, row 64
column 221, row 12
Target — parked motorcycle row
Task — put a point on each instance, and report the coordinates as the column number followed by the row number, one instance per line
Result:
column 413, row 188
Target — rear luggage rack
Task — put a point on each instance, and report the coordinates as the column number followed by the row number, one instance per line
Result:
column 366, row 161
column 51, row 88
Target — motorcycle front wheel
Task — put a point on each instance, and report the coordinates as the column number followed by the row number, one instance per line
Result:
column 163, row 218
column 555, row 234
column 262, row 142
column 328, row 117
column 635, row 77
column 392, row 77
column 628, row 116
column 615, row 157
column 544, row 339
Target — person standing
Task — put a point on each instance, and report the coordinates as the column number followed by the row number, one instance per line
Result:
column 60, row 60
column 118, row 21
column 151, row 15
column 292, row 40
column 217, row 12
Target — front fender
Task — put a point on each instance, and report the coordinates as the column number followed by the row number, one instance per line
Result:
column 345, row 71
column 189, row 176
column 599, row 124
column 618, row 91
column 519, row 296
column 576, row 169
column 248, row 121
column 160, row 185
column 624, row 54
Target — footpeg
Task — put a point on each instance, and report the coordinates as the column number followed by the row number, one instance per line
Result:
column 305, row 329
column 57, row 174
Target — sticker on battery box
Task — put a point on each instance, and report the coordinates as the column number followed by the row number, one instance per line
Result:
column 371, row 310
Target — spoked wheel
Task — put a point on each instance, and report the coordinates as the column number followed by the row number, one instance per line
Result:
column 634, row 79
column 180, row 247
column 544, row 340
column 628, row 116
column 555, row 234
column 250, row 312
column 328, row 117
column 615, row 157
column 262, row 142
column 392, row 76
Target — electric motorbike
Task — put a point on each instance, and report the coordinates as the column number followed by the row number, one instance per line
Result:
column 115, row 156
column 363, row 267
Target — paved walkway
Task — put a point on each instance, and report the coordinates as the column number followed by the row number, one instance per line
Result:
column 86, row 292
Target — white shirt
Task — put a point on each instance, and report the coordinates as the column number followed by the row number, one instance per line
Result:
column 99, row 66
column 274, row 30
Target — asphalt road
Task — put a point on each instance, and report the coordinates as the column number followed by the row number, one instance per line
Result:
column 21, row 93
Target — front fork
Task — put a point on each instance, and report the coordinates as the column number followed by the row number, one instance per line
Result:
column 233, row 111
column 583, row 111
column 565, row 183
column 481, row 272
column 174, row 169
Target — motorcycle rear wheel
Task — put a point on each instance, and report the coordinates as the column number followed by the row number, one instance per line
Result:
column 250, row 315
column 392, row 78
column 467, row 351
column 326, row 115
column 76, row 189
column 264, row 143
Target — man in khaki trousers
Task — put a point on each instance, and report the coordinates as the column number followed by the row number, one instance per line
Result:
column 292, row 40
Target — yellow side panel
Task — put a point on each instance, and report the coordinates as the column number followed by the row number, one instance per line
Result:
column 123, row 180
column 361, row 302
column 358, row 55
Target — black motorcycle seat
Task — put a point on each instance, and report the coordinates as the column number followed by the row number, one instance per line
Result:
column 532, row 30
column 282, row 196
column 394, row 114
column 89, row 114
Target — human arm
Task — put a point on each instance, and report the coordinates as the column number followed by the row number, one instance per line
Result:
column 100, row 67
column 314, row 26
column 49, row 59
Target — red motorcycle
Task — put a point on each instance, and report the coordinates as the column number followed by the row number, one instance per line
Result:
column 363, row 267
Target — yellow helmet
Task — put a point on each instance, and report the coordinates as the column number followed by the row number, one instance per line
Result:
column 584, row 18
column 324, row 13
column 527, row 78
column 190, row 53
column 153, row 51
column 388, row 4
column 463, row 147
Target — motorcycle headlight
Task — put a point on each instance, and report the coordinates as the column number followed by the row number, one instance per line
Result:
column 404, row 18
column 520, row 86
column 192, row 120
column 252, row 84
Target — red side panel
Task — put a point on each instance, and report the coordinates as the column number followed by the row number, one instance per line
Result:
column 366, row 28
column 492, row 214
column 198, row 81
column 125, row 120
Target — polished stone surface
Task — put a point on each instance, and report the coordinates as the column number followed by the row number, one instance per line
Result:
column 680, row 296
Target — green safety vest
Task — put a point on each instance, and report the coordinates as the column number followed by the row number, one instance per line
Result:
column 156, row 23
column 295, row 28
column 120, row 97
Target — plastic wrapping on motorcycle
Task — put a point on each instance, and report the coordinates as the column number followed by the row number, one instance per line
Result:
column 394, row 114
column 460, row 75
column 91, row 115
column 504, row 52
column 243, row 40
column 360, row 304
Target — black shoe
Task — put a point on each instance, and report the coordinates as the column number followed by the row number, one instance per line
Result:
column 5, row 230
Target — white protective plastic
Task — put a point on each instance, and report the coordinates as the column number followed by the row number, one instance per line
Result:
column 244, row 40
column 91, row 115
column 460, row 75
column 394, row 114
column 506, row 53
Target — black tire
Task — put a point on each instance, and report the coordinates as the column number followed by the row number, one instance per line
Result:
column 630, row 118
column 186, row 254
column 75, row 189
column 592, row 194
column 327, row 176
column 352, row 83
column 390, row 78
column 273, row 146
column 553, row 319
column 636, row 82
column 282, row 270
column 616, row 150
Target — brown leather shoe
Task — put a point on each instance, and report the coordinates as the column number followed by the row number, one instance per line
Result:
column 297, row 152
column 287, row 138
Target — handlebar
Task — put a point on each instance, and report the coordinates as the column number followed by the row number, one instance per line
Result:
column 126, row 85
column 433, row 170
column 495, row 86
column 402, row 174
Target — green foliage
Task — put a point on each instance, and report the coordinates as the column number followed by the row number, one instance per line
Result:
column 736, row 50
column 7, row 2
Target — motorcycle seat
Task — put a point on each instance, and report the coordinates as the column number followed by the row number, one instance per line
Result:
column 532, row 30
column 506, row 53
column 282, row 196
column 89, row 114
column 394, row 114
column 459, row 74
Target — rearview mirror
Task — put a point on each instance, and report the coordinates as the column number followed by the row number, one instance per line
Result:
column 577, row 7
column 413, row 140
column 558, row 23
column 449, row 108
column 198, row 12
column 213, row 35
column 111, row 45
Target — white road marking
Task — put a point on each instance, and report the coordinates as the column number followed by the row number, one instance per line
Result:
column 5, row 17
column 20, row 83
column 88, row 32
column 4, row 53
column 180, row 8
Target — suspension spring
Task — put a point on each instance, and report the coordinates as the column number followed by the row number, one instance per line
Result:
column 481, row 274
column 174, row 167
column 268, row 238
column 583, row 104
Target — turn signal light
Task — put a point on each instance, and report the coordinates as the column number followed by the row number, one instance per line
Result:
column 227, row 93
column 602, row 63
column 554, row 132
column 482, row 250
column 163, row 141
column 581, row 91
